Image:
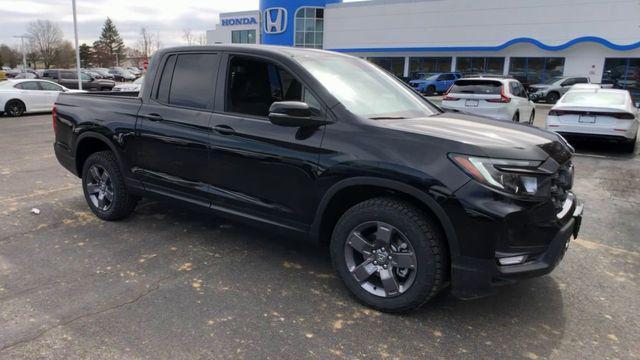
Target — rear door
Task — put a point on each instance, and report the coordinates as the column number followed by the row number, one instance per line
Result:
column 51, row 91
column 68, row 79
column 34, row 98
column 521, row 100
column 172, row 150
column 261, row 170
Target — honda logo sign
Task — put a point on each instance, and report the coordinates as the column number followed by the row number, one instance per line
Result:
column 275, row 20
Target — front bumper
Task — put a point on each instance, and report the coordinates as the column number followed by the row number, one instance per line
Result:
column 541, row 239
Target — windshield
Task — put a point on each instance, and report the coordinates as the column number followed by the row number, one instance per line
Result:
column 364, row 89
column 553, row 80
column 595, row 98
column 483, row 87
column 433, row 77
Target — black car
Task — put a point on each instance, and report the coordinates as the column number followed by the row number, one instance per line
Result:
column 69, row 79
column 331, row 149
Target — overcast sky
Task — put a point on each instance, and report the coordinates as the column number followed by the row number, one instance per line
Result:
column 168, row 17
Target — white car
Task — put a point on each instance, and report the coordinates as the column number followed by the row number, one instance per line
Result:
column 135, row 86
column 28, row 95
column 600, row 114
column 497, row 98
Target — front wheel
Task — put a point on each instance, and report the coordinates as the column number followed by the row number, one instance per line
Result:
column 532, row 117
column 516, row 117
column 389, row 254
column 552, row 97
column 104, row 187
column 431, row 90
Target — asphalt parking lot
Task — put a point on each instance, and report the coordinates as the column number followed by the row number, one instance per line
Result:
column 168, row 283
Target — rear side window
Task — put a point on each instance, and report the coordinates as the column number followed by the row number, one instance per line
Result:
column 480, row 87
column 194, row 80
column 165, row 79
column 50, row 87
column 29, row 85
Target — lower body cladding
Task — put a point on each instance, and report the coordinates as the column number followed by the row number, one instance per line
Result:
column 501, row 239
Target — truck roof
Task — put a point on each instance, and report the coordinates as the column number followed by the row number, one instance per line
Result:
column 273, row 50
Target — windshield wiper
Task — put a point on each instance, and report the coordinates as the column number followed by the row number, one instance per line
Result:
column 387, row 117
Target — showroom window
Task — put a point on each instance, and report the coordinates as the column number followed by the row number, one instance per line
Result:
column 535, row 70
column 480, row 65
column 243, row 37
column 309, row 27
column 394, row 65
column 623, row 74
column 420, row 67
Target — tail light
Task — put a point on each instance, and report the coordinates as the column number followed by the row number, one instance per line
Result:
column 617, row 115
column 449, row 98
column 555, row 113
column 503, row 98
column 54, row 118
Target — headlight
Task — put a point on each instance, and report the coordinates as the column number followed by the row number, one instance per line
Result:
column 520, row 177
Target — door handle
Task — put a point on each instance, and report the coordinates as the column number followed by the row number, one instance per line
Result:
column 224, row 129
column 153, row 117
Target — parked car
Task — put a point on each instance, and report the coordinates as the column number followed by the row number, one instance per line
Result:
column 121, row 74
column 410, row 199
column 104, row 72
column 93, row 74
column 596, row 114
column 436, row 83
column 134, row 70
column 27, row 74
column 22, row 96
column 69, row 79
column 135, row 86
column 498, row 98
column 551, row 90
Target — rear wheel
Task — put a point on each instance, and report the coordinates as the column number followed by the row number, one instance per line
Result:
column 553, row 97
column 104, row 187
column 516, row 117
column 389, row 254
column 14, row 108
column 532, row 117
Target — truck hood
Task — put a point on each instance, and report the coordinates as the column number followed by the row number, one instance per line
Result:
column 487, row 137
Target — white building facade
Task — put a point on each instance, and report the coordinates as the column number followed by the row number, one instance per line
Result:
column 530, row 40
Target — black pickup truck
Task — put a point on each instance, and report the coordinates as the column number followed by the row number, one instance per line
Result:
column 330, row 148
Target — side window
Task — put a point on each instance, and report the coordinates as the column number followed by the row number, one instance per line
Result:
column 581, row 81
column 29, row 85
column 442, row 78
column 568, row 82
column 194, row 80
column 85, row 77
column 449, row 77
column 50, row 87
column 165, row 79
column 253, row 85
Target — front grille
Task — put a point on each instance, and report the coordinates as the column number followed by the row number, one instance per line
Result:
column 561, row 184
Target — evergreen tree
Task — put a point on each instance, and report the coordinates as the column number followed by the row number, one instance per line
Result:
column 111, row 42
column 85, row 55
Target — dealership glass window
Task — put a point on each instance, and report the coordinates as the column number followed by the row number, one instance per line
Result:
column 535, row 70
column 480, row 65
column 243, row 37
column 424, row 66
column 394, row 65
column 623, row 73
column 309, row 27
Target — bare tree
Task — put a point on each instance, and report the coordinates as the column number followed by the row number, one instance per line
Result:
column 187, row 36
column 158, row 43
column 202, row 38
column 45, row 37
column 145, row 43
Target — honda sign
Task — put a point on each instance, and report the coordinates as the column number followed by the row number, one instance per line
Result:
column 275, row 20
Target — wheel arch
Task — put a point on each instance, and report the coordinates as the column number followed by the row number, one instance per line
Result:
column 24, row 104
column 89, row 143
column 346, row 193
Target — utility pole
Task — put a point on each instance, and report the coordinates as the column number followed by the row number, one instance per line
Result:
column 24, row 52
column 75, row 30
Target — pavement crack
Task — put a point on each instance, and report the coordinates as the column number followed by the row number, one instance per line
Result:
column 83, row 316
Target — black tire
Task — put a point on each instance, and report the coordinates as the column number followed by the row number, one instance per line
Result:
column 532, row 117
column 122, row 203
column 552, row 97
column 516, row 117
column 431, row 90
column 630, row 147
column 426, row 242
column 14, row 108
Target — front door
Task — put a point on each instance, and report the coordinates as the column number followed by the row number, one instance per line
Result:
column 172, row 142
column 261, row 170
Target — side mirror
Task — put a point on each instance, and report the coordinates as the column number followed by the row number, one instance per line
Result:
column 295, row 114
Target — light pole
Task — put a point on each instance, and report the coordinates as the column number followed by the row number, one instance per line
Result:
column 75, row 30
column 24, row 53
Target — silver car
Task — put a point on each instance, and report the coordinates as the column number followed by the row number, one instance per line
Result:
column 553, row 89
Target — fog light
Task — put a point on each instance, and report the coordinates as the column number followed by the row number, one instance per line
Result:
column 512, row 260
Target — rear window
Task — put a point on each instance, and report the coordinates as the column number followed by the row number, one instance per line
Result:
column 480, row 87
column 594, row 98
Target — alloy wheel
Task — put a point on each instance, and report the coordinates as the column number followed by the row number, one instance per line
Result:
column 14, row 109
column 381, row 259
column 100, row 187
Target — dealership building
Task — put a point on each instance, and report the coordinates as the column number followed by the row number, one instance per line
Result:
column 530, row 40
